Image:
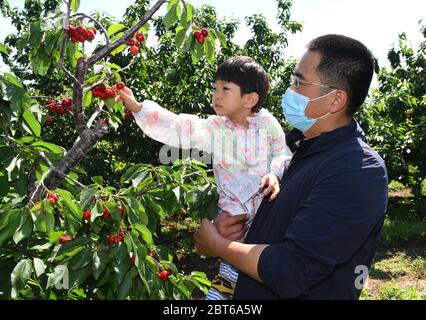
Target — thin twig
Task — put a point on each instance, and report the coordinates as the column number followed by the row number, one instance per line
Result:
column 83, row 15
column 69, row 75
column 42, row 156
column 108, row 49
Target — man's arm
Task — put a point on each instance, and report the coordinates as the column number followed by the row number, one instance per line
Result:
column 245, row 257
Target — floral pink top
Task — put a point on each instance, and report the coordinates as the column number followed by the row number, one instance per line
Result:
column 241, row 157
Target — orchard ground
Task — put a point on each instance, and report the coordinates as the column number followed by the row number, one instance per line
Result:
column 399, row 268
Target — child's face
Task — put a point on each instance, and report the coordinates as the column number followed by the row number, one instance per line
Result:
column 227, row 99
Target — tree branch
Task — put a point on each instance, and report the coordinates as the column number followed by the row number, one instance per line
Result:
column 108, row 49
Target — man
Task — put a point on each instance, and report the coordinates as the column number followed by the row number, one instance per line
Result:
column 318, row 238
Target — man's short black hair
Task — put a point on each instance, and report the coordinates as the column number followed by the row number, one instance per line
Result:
column 346, row 64
column 248, row 74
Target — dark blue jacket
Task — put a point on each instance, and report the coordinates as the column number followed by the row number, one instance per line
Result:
column 325, row 222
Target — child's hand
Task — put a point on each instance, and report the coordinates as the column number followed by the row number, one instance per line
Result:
column 270, row 180
column 126, row 96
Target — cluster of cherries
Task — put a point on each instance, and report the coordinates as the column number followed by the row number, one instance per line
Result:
column 59, row 108
column 135, row 43
column 81, row 34
column 201, row 35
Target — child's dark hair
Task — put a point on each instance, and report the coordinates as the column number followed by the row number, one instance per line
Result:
column 248, row 74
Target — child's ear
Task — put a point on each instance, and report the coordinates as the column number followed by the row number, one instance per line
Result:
column 251, row 99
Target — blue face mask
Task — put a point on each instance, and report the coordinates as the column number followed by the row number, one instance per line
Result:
column 294, row 106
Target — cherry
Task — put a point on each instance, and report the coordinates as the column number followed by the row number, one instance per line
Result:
column 106, row 214
column 164, row 275
column 122, row 211
column 93, row 29
column 86, row 215
column 120, row 239
column 130, row 42
column 89, row 35
column 128, row 114
column 49, row 119
column 137, row 43
column 132, row 260
column 152, row 254
column 134, row 50
column 53, row 198
column 103, row 122
column 60, row 110
column 111, row 239
column 52, row 107
column 140, row 37
column 201, row 40
column 120, row 86
column 204, row 33
column 197, row 35
column 64, row 239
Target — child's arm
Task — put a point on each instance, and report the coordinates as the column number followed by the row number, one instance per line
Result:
column 184, row 131
column 280, row 155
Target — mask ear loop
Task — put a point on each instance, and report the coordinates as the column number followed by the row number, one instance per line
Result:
column 321, row 98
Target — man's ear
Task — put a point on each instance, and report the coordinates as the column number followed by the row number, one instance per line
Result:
column 250, row 100
column 340, row 101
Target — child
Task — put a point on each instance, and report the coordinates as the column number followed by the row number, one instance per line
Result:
column 246, row 141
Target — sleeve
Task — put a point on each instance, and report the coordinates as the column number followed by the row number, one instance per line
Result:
column 281, row 154
column 185, row 131
column 330, row 227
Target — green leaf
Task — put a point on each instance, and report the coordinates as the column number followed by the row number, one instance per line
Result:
column 144, row 232
column 59, row 274
column 219, row 35
column 20, row 275
column 54, row 236
column 26, row 228
column 114, row 28
column 100, row 262
column 186, row 16
column 86, row 197
column 6, row 153
column 4, row 49
column 119, row 49
column 98, row 180
column 87, row 101
column 189, row 41
column 197, row 53
column 49, row 147
column 32, row 122
column 75, row 4
column 180, row 36
column 209, row 49
column 4, row 185
column 125, row 287
column 39, row 266
column 13, row 223
column 81, row 259
column 110, row 103
column 35, row 34
column 15, row 92
column 73, row 244
column 171, row 17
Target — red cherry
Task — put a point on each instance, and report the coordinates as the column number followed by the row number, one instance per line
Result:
column 60, row 110
column 86, row 215
column 197, row 35
column 169, row 272
column 120, row 85
column 128, row 114
column 89, row 35
column 81, row 30
column 100, row 87
column 132, row 260
column 120, row 239
column 53, row 198
column 201, row 39
column 71, row 31
column 136, row 43
column 164, row 275
column 106, row 214
column 109, row 93
column 111, row 239
column 130, row 42
column 74, row 39
column 52, row 106
column 134, row 50
column 140, row 37
column 93, row 29
column 205, row 33
column 103, row 122
column 81, row 37
column 64, row 239
column 122, row 211
column 49, row 119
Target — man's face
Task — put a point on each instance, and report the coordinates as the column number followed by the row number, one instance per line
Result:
column 306, row 71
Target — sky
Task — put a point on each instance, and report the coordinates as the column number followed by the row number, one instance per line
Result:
column 376, row 23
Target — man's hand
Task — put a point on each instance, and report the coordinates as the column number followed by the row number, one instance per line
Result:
column 231, row 227
column 207, row 239
column 270, row 180
column 126, row 96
